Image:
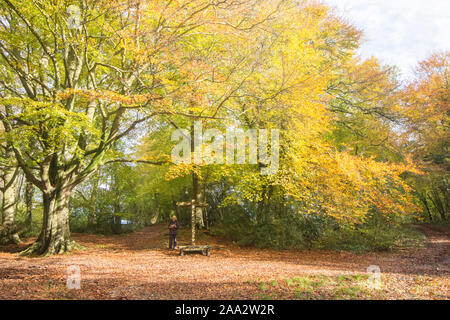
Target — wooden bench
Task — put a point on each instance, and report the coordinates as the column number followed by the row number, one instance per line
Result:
column 195, row 249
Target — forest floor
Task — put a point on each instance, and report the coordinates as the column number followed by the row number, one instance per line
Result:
column 139, row 266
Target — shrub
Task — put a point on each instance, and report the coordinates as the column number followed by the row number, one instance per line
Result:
column 299, row 231
column 29, row 229
column 369, row 238
column 285, row 232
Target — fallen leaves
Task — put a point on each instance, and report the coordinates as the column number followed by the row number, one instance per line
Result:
column 138, row 266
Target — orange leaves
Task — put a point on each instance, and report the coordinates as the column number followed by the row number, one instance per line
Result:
column 346, row 187
column 426, row 107
column 137, row 266
column 427, row 98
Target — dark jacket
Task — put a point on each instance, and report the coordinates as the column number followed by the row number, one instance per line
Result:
column 174, row 230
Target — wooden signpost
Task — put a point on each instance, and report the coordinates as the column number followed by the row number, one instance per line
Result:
column 193, row 248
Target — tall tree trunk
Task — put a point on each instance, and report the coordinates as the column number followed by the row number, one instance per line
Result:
column 92, row 214
column 55, row 235
column 207, row 223
column 198, row 196
column 196, row 187
column 436, row 199
column 423, row 197
column 9, row 232
column 92, row 217
column 29, row 193
column 117, row 219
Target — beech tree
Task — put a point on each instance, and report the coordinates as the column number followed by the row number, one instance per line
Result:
column 9, row 172
column 309, row 77
column 425, row 107
column 80, row 75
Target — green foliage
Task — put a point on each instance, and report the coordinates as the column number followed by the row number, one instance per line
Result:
column 369, row 237
column 297, row 231
column 285, row 232
column 106, row 224
column 27, row 229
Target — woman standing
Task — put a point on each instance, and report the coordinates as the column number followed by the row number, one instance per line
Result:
column 173, row 231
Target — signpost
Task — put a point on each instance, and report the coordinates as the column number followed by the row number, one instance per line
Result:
column 193, row 248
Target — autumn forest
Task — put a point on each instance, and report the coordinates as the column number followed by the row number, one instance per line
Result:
column 290, row 166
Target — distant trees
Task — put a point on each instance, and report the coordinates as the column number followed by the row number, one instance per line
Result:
column 338, row 152
column 426, row 109
column 9, row 173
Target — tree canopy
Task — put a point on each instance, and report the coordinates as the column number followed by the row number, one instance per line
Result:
column 92, row 90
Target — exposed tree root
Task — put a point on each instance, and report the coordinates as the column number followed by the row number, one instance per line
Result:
column 52, row 248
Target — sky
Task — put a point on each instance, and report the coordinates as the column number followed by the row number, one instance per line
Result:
column 399, row 32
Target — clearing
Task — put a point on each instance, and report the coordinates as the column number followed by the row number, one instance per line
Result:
column 139, row 266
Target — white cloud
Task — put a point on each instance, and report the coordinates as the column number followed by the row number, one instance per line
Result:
column 399, row 32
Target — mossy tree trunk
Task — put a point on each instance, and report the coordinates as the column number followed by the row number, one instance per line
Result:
column 55, row 235
column 9, row 233
column 29, row 193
